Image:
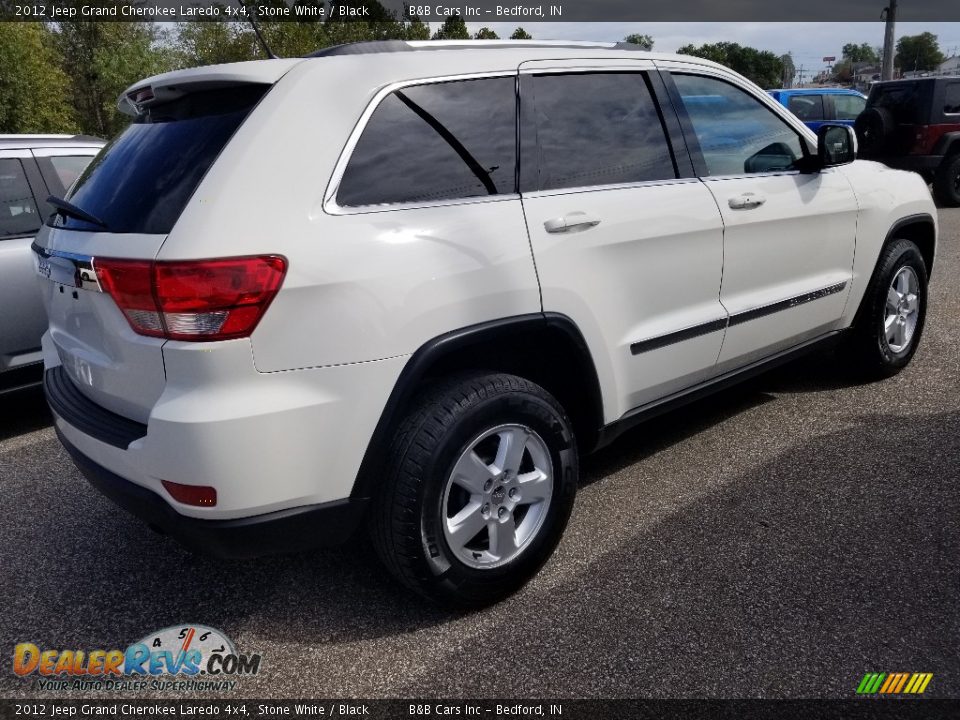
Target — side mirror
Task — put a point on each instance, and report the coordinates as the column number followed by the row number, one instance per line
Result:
column 836, row 145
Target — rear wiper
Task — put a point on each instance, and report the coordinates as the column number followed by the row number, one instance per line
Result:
column 67, row 208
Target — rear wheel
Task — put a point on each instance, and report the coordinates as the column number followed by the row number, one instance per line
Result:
column 891, row 317
column 946, row 182
column 480, row 483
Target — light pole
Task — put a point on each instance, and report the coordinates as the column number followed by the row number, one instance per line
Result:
column 890, row 15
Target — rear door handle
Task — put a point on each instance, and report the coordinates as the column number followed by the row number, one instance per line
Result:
column 571, row 222
column 746, row 201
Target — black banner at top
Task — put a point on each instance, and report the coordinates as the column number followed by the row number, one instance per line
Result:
column 480, row 11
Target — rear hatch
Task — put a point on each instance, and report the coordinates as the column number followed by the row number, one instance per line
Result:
column 124, row 206
column 908, row 106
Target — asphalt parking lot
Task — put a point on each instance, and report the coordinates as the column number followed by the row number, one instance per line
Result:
column 778, row 540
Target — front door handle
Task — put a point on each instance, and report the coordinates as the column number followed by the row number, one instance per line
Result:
column 571, row 222
column 746, row 201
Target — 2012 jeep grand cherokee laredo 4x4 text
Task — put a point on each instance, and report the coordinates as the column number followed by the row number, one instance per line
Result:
column 407, row 285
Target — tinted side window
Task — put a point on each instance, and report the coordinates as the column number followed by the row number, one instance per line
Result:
column 18, row 209
column 951, row 98
column 806, row 107
column 436, row 142
column 61, row 171
column 598, row 129
column 902, row 100
column 736, row 132
column 848, row 106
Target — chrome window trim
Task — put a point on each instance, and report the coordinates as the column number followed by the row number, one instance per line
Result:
column 330, row 204
column 617, row 186
column 68, row 151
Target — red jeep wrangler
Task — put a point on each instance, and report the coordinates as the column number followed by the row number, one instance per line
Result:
column 915, row 125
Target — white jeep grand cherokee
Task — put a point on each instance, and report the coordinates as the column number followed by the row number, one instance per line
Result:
column 408, row 284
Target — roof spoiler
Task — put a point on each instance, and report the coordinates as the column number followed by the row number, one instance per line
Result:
column 172, row 85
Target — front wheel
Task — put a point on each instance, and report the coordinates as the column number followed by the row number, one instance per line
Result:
column 480, row 482
column 891, row 317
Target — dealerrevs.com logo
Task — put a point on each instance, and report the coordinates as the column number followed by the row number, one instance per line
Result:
column 196, row 657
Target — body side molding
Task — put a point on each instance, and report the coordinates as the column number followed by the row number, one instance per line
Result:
column 652, row 409
column 689, row 333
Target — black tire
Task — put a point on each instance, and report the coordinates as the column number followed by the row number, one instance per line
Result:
column 946, row 182
column 408, row 512
column 869, row 353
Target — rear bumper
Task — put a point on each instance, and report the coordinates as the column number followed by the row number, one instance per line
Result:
column 283, row 531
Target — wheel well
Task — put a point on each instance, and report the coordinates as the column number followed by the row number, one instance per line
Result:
column 546, row 349
column 921, row 232
column 551, row 358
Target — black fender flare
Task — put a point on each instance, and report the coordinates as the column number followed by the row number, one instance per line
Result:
column 432, row 353
column 948, row 144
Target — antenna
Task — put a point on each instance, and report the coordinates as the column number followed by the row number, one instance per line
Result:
column 256, row 30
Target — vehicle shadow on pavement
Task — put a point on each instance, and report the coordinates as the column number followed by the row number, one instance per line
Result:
column 22, row 412
column 663, row 431
column 834, row 558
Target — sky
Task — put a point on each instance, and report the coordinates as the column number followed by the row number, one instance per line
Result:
column 809, row 42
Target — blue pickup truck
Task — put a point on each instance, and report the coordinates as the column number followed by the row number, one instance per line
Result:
column 816, row 106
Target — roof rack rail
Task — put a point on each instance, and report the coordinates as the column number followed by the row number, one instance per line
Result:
column 389, row 46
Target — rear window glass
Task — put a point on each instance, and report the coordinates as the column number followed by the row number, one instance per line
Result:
column 902, row 100
column 143, row 179
column 18, row 210
column 951, row 99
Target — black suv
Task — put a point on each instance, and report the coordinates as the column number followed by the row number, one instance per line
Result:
column 915, row 125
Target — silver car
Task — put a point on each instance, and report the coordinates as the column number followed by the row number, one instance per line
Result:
column 32, row 167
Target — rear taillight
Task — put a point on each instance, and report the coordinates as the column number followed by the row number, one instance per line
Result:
column 924, row 139
column 198, row 495
column 201, row 300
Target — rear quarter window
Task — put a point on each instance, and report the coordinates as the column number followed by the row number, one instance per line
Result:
column 848, row 107
column 143, row 179
column 806, row 107
column 18, row 208
column 438, row 141
column 61, row 171
column 951, row 99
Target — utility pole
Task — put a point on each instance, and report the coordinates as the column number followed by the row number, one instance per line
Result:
column 800, row 77
column 890, row 15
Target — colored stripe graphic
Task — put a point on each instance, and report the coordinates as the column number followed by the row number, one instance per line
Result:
column 894, row 683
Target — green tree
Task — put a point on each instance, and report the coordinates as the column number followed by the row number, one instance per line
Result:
column 761, row 66
column 486, row 33
column 34, row 95
column 453, row 28
column 789, row 70
column 521, row 34
column 102, row 59
column 416, row 29
column 860, row 53
column 918, row 52
column 209, row 43
column 644, row 41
